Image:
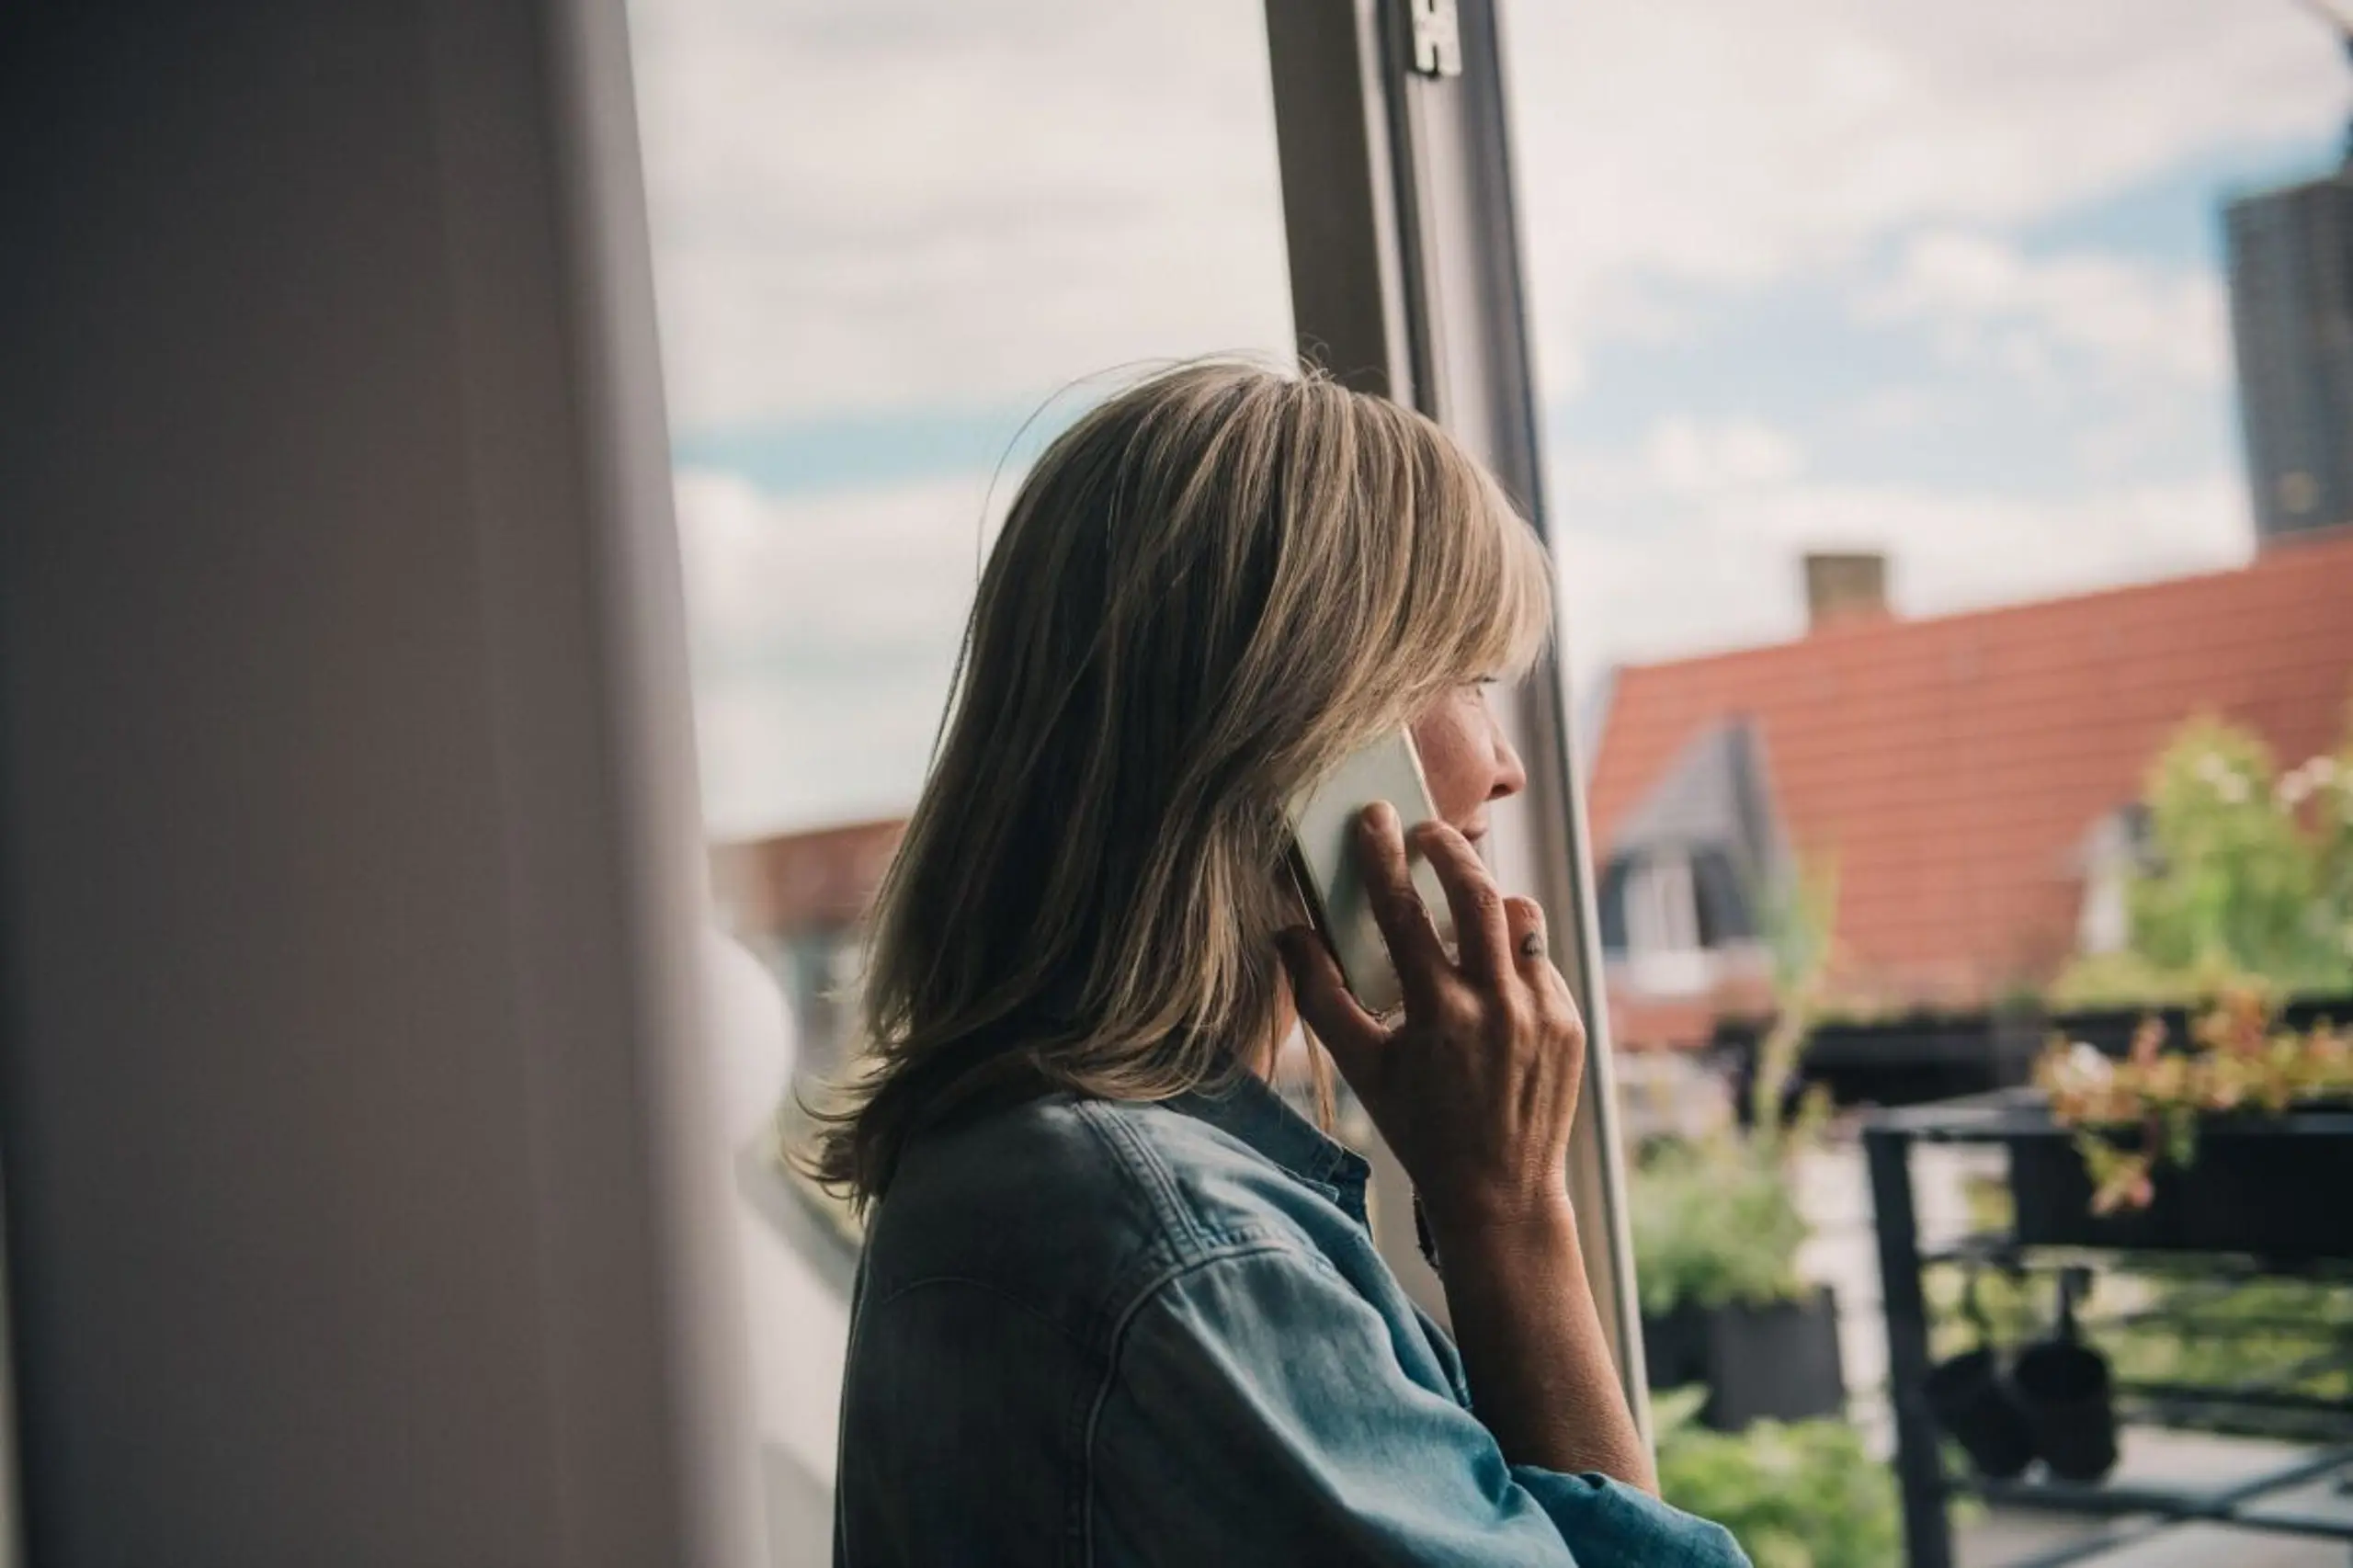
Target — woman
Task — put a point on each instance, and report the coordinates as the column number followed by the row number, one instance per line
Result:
column 1119, row 1303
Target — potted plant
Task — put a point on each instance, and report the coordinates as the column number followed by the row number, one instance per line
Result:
column 2223, row 1135
column 1804, row 1495
column 1716, row 1236
column 1717, row 1227
column 2237, row 1144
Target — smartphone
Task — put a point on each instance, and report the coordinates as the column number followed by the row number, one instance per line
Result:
column 1323, row 828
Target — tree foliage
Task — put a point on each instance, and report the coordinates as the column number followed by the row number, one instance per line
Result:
column 2247, row 875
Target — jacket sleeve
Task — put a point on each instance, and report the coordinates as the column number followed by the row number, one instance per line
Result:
column 1259, row 1411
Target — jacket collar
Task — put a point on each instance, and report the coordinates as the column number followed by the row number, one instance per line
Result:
column 1247, row 1109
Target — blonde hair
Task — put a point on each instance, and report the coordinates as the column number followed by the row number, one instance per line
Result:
column 1210, row 590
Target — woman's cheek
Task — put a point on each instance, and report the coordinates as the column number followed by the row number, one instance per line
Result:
column 1451, row 762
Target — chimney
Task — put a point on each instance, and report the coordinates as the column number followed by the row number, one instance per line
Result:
column 1845, row 586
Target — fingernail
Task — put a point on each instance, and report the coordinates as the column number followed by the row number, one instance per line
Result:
column 1379, row 816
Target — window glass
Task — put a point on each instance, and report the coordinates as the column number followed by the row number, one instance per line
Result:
column 1945, row 414
column 1662, row 924
column 1877, row 343
column 8, row 1527
column 888, row 237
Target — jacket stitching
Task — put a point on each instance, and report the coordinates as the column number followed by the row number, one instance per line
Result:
column 1130, row 1152
column 1027, row 1308
column 1144, row 1298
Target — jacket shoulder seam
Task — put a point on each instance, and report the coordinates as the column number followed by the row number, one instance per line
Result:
column 1151, row 1172
column 1240, row 1246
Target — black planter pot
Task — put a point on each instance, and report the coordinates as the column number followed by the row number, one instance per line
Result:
column 1975, row 1404
column 1777, row 1362
column 1675, row 1347
column 2270, row 1186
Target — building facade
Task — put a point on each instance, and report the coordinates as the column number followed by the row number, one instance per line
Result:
column 1967, row 784
column 2291, row 320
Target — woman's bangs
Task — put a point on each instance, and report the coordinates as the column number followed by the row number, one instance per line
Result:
column 1514, row 582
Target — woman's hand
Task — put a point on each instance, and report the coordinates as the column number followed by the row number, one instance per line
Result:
column 1475, row 1089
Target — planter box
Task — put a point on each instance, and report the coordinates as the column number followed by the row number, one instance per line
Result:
column 1927, row 1057
column 2111, row 1029
column 2276, row 1188
column 1778, row 1363
column 1899, row 1061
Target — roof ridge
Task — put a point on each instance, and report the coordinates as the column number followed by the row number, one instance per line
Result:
column 2336, row 550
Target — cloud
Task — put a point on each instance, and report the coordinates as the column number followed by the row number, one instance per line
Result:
column 1685, row 457
column 847, row 568
column 1731, row 145
column 920, row 201
column 825, row 631
column 1662, row 576
column 897, row 203
column 1990, row 300
column 1897, row 407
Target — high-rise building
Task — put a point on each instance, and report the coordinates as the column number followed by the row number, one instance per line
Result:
column 2291, row 319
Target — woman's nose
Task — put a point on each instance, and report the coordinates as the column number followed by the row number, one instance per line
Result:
column 1511, row 774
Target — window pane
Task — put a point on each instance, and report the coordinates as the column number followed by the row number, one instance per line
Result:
column 1946, row 413
column 888, row 237
column 1879, row 341
column 9, row 1527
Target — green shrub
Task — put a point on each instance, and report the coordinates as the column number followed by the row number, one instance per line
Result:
column 1800, row 1494
column 1715, row 1223
column 2284, row 1335
column 2250, row 876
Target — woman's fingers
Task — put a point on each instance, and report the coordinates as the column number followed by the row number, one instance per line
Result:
column 1531, row 952
column 1335, row 1017
column 1414, row 945
column 1523, row 925
column 1481, row 934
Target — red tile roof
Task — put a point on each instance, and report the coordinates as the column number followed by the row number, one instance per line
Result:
column 1952, row 766
column 800, row 883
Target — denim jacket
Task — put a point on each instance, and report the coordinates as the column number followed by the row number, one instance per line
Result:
column 1107, row 1334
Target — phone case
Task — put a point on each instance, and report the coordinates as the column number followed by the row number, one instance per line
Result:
column 1323, row 822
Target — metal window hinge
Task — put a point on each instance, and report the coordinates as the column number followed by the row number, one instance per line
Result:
column 1438, row 38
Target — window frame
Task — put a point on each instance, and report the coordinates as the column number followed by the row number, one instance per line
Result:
column 1400, row 215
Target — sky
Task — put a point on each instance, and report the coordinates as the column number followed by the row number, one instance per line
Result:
column 1939, row 280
